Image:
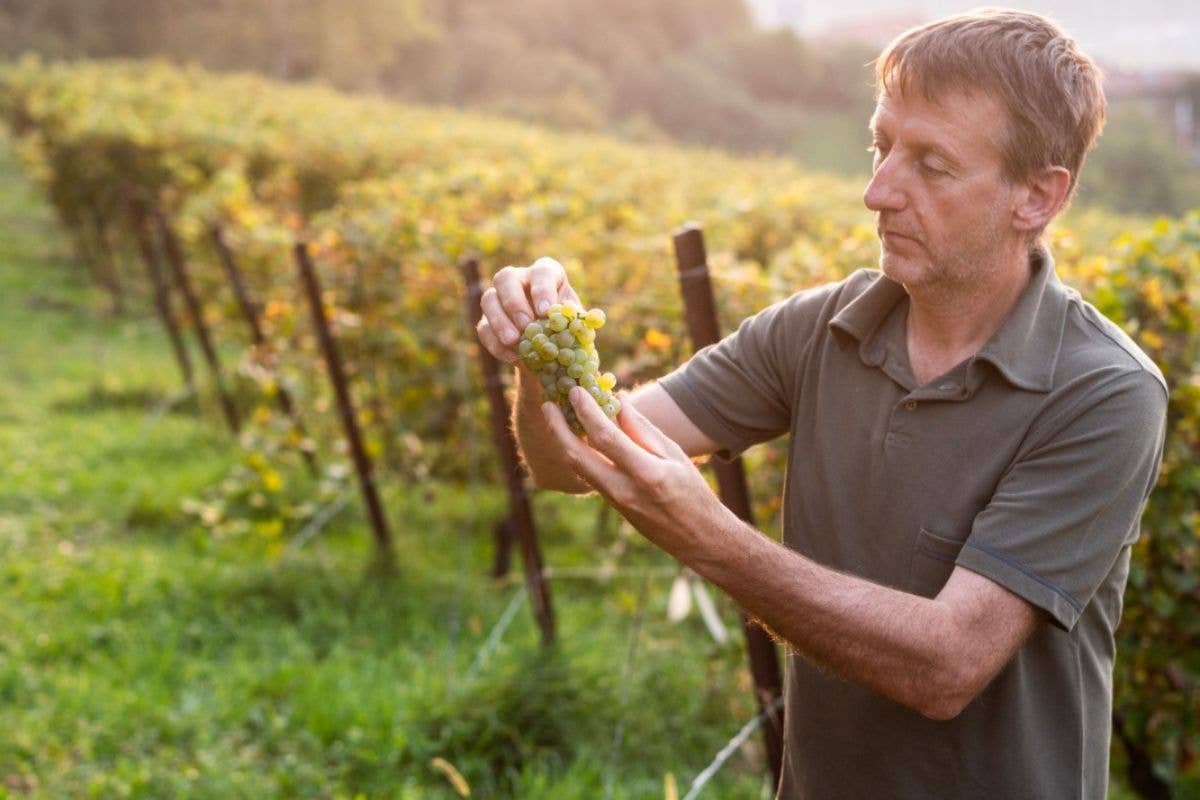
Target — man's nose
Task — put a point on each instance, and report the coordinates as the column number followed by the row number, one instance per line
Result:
column 883, row 192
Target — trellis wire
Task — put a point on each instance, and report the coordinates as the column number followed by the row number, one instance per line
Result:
column 730, row 748
column 493, row 640
column 318, row 522
column 605, row 573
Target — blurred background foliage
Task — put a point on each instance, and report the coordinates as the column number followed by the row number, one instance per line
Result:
column 391, row 194
column 698, row 71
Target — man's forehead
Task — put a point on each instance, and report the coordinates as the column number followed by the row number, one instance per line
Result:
column 952, row 115
column 952, row 104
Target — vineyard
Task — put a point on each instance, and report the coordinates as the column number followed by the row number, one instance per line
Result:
column 231, row 209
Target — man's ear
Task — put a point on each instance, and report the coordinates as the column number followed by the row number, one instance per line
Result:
column 1044, row 194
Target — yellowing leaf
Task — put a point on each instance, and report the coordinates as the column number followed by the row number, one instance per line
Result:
column 657, row 340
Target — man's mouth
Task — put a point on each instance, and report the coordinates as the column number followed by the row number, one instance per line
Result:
column 886, row 234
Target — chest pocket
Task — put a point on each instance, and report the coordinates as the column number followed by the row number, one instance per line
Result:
column 931, row 562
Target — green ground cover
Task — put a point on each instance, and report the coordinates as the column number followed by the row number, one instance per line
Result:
column 142, row 657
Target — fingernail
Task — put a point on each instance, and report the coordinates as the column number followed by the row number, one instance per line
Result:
column 522, row 320
column 543, row 306
column 510, row 337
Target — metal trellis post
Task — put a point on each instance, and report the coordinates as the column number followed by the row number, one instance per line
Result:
column 520, row 518
column 701, row 313
column 337, row 376
column 250, row 312
column 174, row 253
column 162, row 292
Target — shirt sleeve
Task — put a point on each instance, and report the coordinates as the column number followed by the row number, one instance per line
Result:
column 741, row 390
column 1064, row 511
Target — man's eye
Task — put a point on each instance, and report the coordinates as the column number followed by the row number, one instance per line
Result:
column 932, row 169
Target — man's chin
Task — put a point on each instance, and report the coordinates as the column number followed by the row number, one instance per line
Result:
column 900, row 268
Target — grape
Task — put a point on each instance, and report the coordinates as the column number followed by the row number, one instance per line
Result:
column 560, row 349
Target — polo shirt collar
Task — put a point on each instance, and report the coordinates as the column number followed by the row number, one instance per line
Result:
column 1024, row 349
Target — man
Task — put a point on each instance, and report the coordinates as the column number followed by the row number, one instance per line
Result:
column 971, row 446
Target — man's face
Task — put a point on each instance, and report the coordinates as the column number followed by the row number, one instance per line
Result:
column 943, row 207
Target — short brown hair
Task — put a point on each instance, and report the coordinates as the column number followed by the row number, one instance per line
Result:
column 1049, row 88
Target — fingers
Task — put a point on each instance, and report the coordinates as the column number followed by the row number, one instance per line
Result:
column 503, row 334
column 605, row 436
column 548, row 284
column 491, row 343
column 587, row 463
column 645, row 432
column 508, row 305
column 511, row 285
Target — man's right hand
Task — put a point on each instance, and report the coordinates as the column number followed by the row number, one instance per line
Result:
column 517, row 296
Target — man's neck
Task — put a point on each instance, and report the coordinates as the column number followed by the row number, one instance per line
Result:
column 947, row 324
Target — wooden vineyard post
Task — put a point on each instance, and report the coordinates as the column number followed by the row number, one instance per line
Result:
column 701, row 314
column 174, row 253
column 162, row 292
column 520, row 520
column 250, row 312
column 337, row 376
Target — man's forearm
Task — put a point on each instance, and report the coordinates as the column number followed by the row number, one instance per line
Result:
column 541, row 453
column 884, row 639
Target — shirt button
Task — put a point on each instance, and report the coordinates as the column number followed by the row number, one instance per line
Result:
column 910, row 404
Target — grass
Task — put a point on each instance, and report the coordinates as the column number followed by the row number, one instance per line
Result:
column 140, row 656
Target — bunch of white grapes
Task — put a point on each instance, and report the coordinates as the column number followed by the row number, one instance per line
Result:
column 560, row 349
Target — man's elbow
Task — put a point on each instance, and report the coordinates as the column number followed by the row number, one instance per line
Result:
column 942, row 709
column 948, row 695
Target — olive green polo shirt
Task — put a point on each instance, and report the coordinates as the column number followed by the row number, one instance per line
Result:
column 1028, row 463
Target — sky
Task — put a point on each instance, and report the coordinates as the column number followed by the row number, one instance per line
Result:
column 1150, row 34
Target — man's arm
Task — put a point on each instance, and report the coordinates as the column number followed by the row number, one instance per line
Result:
column 931, row 655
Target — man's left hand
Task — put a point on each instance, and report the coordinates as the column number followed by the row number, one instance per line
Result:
column 640, row 471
